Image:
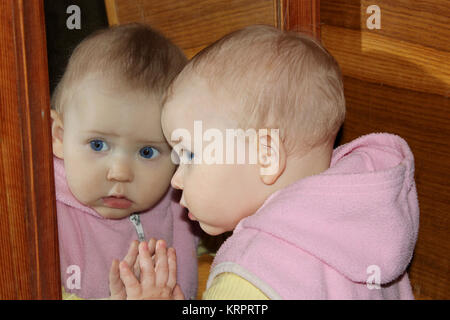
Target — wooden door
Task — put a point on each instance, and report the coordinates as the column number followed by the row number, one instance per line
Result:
column 28, row 242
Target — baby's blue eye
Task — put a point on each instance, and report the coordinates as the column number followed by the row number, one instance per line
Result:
column 148, row 152
column 187, row 155
column 98, row 145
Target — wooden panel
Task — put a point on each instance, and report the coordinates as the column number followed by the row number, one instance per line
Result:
column 204, row 265
column 194, row 24
column 399, row 19
column 29, row 245
column 384, row 60
column 397, row 79
column 300, row 16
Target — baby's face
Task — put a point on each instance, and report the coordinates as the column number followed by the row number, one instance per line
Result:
column 216, row 195
column 116, row 158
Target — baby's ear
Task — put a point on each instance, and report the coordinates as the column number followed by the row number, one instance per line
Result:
column 57, row 134
column 272, row 156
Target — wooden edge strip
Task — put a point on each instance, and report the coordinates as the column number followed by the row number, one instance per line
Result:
column 111, row 12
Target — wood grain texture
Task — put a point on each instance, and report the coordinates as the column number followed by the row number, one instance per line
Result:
column 29, row 245
column 300, row 16
column 204, row 265
column 397, row 79
column 194, row 24
column 384, row 60
column 111, row 12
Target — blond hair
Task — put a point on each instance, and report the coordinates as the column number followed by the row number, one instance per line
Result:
column 278, row 79
column 132, row 55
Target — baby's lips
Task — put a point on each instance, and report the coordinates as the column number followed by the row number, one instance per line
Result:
column 117, row 202
column 191, row 216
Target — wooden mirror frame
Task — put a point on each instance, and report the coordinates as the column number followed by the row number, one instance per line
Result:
column 29, row 236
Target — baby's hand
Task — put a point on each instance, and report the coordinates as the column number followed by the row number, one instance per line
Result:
column 158, row 278
column 116, row 287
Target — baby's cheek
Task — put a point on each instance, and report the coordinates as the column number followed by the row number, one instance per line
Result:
column 85, row 182
column 151, row 186
column 203, row 198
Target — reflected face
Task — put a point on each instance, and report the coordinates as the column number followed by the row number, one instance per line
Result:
column 218, row 196
column 116, row 158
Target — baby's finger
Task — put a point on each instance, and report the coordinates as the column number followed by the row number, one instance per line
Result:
column 161, row 264
column 151, row 246
column 146, row 265
column 115, row 284
column 178, row 293
column 132, row 285
column 132, row 253
column 137, row 268
column 172, row 260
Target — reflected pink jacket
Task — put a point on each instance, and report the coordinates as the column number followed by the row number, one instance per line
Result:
column 335, row 235
column 88, row 242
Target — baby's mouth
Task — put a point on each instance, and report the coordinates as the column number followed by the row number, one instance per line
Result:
column 191, row 216
column 117, row 202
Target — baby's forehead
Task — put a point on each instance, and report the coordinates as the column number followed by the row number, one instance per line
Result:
column 115, row 86
column 95, row 96
column 195, row 100
column 103, row 90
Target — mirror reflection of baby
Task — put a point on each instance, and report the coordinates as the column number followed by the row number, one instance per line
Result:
column 111, row 160
column 325, row 224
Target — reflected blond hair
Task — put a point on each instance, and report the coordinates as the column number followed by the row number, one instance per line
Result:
column 277, row 79
column 132, row 56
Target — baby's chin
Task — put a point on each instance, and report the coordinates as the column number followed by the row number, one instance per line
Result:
column 111, row 213
column 212, row 231
column 116, row 213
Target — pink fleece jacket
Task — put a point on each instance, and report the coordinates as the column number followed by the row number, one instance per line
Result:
column 88, row 242
column 335, row 235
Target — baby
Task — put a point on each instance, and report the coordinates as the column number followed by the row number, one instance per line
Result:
column 308, row 222
column 112, row 162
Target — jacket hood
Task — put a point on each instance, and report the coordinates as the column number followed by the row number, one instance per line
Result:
column 361, row 212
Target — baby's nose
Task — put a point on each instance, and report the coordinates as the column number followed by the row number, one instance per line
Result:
column 176, row 181
column 120, row 171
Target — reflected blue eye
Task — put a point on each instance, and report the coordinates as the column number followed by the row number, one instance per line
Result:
column 187, row 155
column 148, row 152
column 98, row 145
